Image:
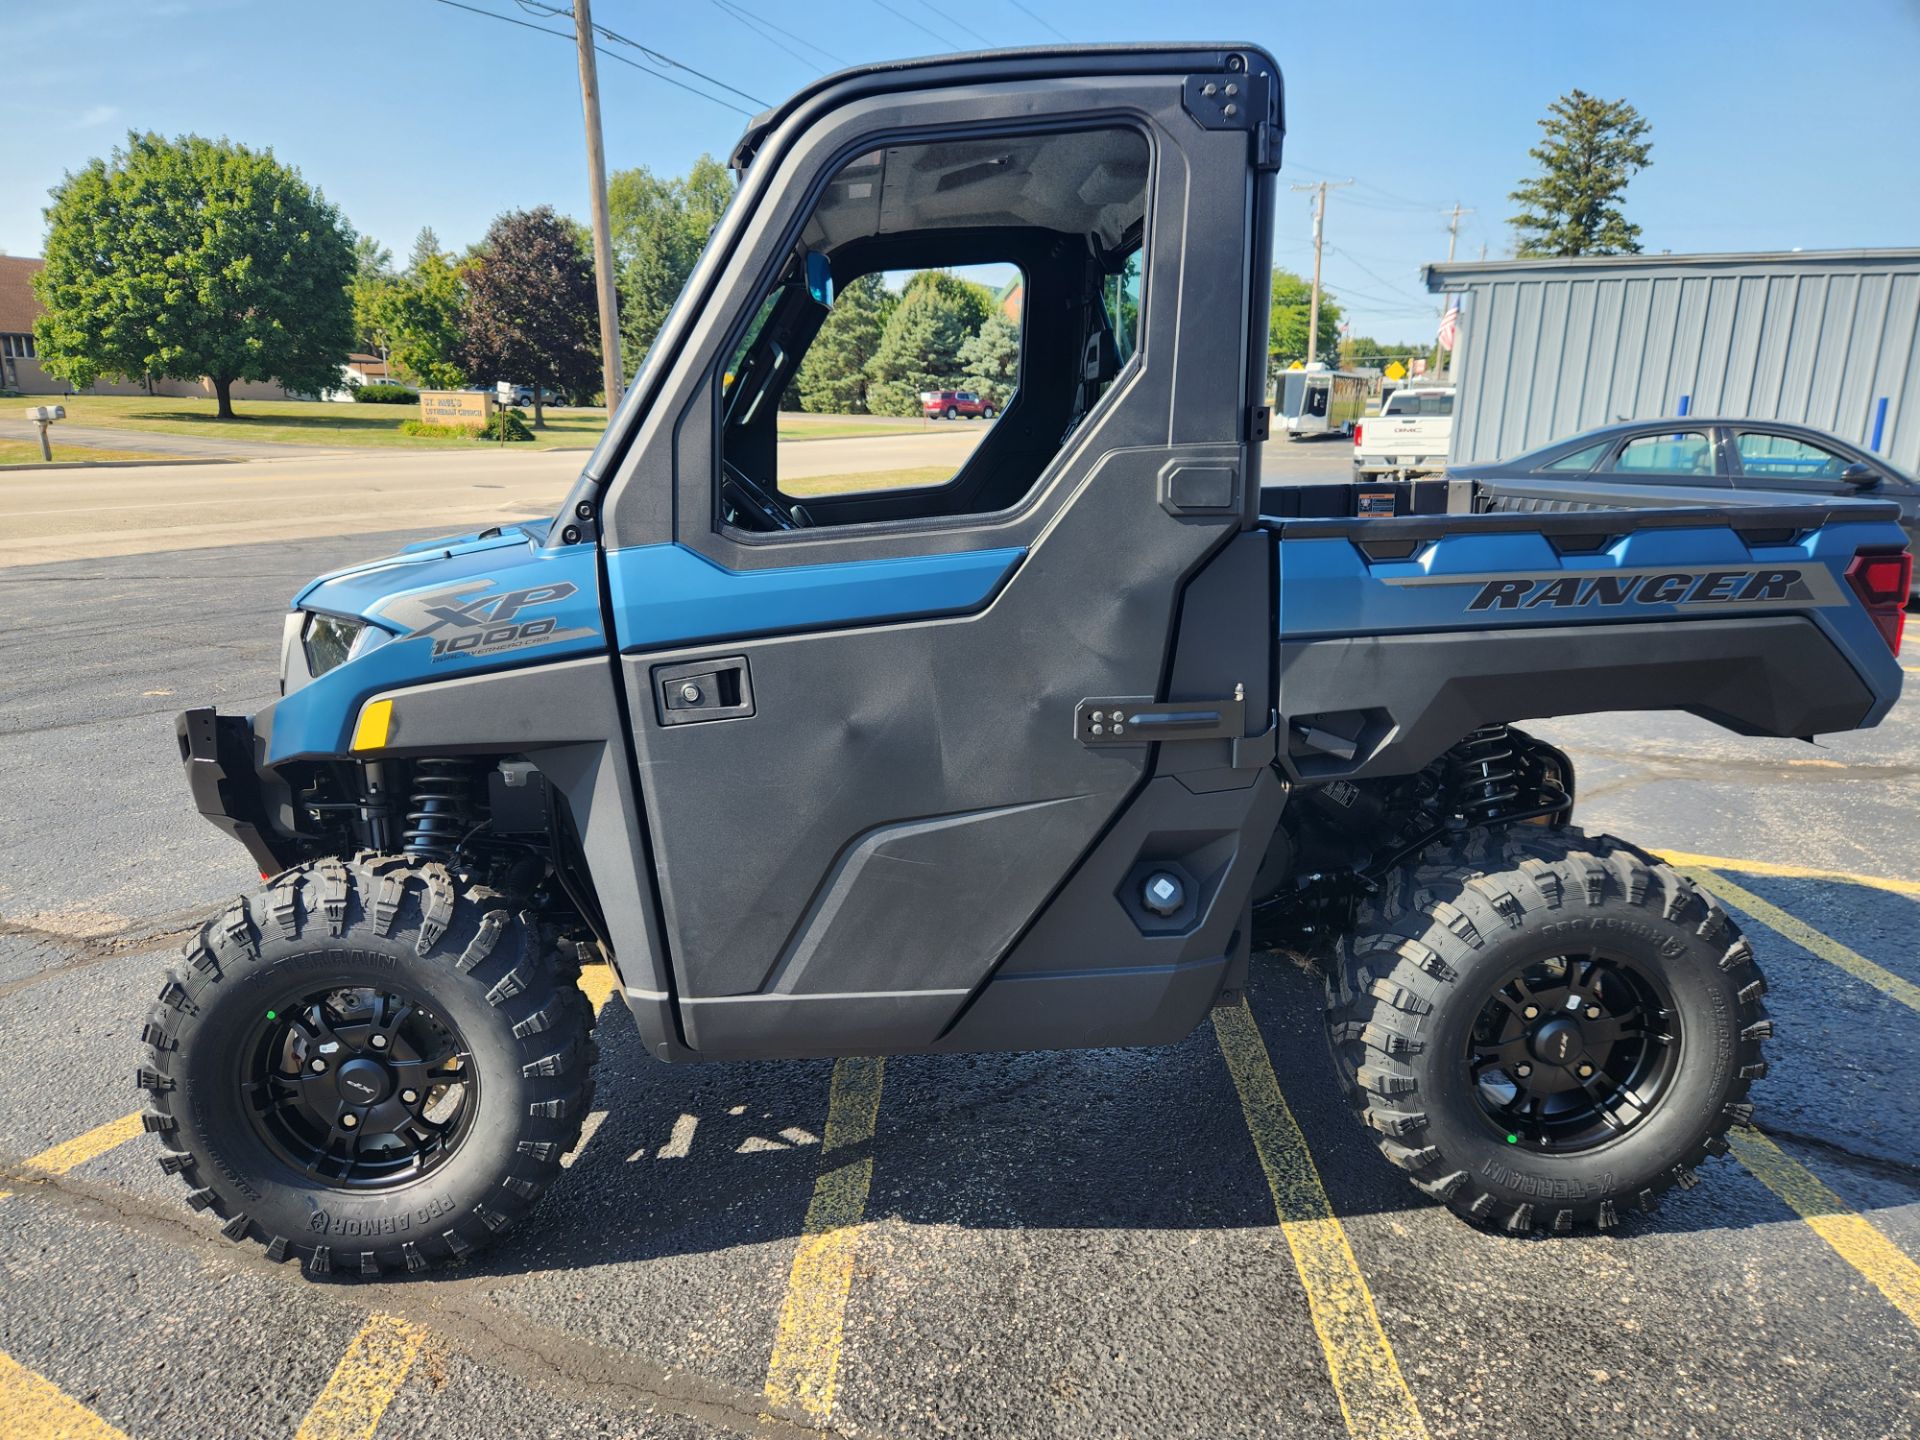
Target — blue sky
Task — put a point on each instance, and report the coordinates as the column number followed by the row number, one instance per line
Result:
column 1775, row 124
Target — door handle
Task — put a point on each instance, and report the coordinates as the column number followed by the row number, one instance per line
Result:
column 1141, row 720
column 697, row 690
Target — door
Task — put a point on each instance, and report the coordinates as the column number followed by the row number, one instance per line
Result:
column 1681, row 456
column 1788, row 464
column 874, row 688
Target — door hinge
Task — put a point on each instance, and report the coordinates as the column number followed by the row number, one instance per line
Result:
column 1266, row 145
column 1261, row 427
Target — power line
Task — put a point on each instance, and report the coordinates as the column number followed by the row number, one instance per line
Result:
column 907, row 19
column 568, row 36
column 1373, row 274
column 1038, row 18
column 762, row 24
column 658, row 57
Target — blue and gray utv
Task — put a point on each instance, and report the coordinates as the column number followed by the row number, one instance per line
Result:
column 1033, row 758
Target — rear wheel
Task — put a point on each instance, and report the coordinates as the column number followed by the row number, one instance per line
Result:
column 1545, row 1029
column 951, row 413
column 367, row 1068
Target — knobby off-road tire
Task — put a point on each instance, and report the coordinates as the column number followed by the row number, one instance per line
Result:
column 1429, row 952
column 403, row 927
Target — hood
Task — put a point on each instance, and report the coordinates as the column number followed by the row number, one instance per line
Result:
column 359, row 590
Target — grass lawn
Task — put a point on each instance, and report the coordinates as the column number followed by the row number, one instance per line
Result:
column 27, row 452
column 316, row 422
column 869, row 480
column 304, row 422
column 794, row 426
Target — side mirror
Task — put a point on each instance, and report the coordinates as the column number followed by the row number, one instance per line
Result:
column 820, row 276
column 1860, row 477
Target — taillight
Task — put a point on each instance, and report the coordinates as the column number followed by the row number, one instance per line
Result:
column 1882, row 579
column 1357, row 427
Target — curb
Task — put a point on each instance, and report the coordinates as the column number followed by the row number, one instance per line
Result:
column 122, row 464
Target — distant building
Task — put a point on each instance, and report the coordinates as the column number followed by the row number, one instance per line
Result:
column 20, row 363
column 1548, row 348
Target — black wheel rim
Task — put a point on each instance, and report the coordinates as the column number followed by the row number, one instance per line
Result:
column 358, row 1088
column 1573, row 1051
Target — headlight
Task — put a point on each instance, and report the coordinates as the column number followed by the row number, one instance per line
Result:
column 330, row 641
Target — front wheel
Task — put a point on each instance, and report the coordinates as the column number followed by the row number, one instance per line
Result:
column 1545, row 1029
column 987, row 414
column 367, row 1068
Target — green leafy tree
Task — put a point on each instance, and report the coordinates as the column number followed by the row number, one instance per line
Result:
column 833, row 376
column 920, row 346
column 414, row 320
column 1591, row 149
column 188, row 258
column 1287, row 321
column 1364, row 350
column 658, row 227
column 531, row 315
column 990, row 361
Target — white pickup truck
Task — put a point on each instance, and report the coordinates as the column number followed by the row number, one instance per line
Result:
column 1409, row 436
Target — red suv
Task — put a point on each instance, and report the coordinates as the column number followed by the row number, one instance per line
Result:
column 952, row 404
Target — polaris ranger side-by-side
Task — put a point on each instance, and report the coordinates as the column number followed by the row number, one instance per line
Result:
column 1021, row 760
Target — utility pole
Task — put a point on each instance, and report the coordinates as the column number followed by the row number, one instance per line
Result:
column 597, row 179
column 1319, row 238
column 1453, row 228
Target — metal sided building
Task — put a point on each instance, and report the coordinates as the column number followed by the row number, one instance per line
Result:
column 1549, row 348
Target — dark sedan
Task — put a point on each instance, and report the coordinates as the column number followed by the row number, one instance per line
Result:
column 1689, row 452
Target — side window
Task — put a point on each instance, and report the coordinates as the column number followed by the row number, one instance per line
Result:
column 1580, row 461
column 894, row 370
column 1782, row 457
column 1686, row 452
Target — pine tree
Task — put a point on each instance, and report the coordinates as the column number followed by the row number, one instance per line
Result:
column 833, row 378
column 1572, row 207
column 920, row 347
column 990, row 361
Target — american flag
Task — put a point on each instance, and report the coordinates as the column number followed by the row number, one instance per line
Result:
column 1449, row 324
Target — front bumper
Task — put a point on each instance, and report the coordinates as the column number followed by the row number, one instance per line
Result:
column 220, row 755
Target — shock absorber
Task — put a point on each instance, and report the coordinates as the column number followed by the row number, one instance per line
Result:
column 1483, row 774
column 439, row 808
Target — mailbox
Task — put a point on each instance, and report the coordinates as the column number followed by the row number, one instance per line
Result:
column 41, row 414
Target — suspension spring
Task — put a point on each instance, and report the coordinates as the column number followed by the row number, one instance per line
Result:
column 1483, row 774
column 439, row 808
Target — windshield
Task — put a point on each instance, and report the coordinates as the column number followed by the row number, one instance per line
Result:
column 1426, row 404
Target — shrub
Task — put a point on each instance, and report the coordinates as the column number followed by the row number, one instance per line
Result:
column 513, row 421
column 383, row 395
column 429, row 430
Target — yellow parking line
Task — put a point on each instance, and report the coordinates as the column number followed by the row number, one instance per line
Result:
column 1805, row 936
column 1796, row 872
column 598, row 983
column 365, row 1381
column 806, row 1347
column 82, row 1148
column 34, row 1408
column 1373, row 1394
column 1852, row 1238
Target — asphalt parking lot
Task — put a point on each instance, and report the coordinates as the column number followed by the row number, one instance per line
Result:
column 1194, row 1240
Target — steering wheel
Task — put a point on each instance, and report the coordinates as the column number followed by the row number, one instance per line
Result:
column 745, row 504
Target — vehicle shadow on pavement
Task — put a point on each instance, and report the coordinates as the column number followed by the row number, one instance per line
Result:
column 699, row 1159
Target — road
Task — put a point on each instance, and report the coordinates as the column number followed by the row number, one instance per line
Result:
column 1060, row 1244
column 52, row 515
